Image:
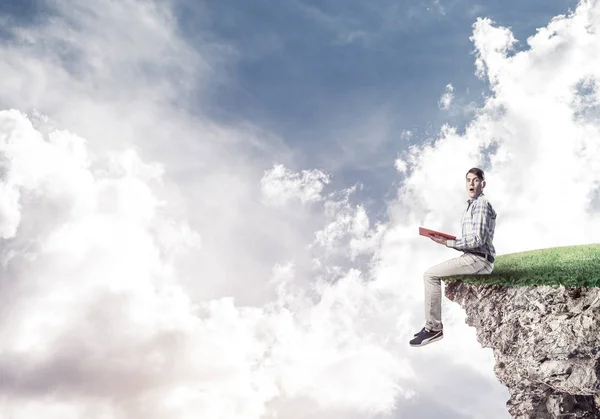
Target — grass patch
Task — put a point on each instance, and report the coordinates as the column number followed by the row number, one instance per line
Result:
column 571, row 266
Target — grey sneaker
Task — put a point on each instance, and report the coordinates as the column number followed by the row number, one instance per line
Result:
column 425, row 337
column 420, row 331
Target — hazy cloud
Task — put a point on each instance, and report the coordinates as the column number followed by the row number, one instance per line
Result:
column 279, row 185
column 446, row 99
column 157, row 264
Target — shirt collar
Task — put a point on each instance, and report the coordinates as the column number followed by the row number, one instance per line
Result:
column 469, row 201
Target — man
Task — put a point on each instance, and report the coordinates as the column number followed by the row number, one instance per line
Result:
column 478, row 224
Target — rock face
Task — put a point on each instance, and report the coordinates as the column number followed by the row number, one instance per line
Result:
column 546, row 342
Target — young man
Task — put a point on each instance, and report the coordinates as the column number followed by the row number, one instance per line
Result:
column 478, row 224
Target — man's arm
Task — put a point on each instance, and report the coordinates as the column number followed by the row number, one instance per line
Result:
column 480, row 232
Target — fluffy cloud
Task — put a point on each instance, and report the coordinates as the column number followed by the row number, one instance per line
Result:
column 279, row 185
column 97, row 310
column 400, row 165
column 446, row 99
column 146, row 273
column 126, row 284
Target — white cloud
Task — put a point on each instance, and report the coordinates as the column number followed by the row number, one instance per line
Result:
column 400, row 165
column 406, row 135
column 492, row 45
column 347, row 232
column 280, row 185
column 446, row 99
column 130, row 285
column 99, row 310
column 144, row 277
column 440, row 8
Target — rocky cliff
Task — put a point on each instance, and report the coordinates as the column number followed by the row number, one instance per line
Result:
column 546, row 343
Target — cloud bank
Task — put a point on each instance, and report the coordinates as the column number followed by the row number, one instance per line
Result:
column 157, row 264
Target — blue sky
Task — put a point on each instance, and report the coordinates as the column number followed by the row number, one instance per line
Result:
column 177, row 189
column 315, row 72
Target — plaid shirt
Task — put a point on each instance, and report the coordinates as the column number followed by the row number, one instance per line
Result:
column 478, row 224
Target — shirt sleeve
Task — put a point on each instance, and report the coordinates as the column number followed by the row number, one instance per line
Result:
column 479, row 228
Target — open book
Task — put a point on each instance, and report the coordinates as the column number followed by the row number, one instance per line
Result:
column 427, row 232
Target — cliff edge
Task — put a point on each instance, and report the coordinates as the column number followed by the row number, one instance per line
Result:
column 546, row 343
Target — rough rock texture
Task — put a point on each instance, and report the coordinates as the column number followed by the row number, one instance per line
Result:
column 546, row 343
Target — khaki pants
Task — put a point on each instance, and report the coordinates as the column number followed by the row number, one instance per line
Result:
column 464, row 265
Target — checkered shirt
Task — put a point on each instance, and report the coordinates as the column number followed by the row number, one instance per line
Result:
column 478, row 224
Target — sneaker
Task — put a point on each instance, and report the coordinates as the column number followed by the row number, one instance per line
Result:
column 425, row 337
column 420, row 331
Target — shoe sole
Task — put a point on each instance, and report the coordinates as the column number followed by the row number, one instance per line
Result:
column 427, row 341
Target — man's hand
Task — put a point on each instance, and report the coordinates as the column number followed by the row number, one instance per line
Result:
column 438, row 239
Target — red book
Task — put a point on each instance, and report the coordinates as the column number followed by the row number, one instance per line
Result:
column 427, row 232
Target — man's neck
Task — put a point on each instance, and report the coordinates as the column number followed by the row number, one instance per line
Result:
column 475, row 197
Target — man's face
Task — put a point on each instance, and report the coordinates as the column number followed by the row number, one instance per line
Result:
column 474, row 185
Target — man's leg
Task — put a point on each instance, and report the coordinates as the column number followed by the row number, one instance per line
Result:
column 464, row 265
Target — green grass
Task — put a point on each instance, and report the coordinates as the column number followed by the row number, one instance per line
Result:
column 571, row 266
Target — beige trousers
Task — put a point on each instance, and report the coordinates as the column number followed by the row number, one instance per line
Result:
column 466, row 264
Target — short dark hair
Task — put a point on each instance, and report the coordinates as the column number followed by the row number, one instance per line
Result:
column 477, row 172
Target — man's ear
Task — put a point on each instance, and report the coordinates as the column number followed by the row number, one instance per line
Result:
column 483, row 184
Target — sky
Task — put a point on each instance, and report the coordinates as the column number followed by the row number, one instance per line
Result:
column 210, row 209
